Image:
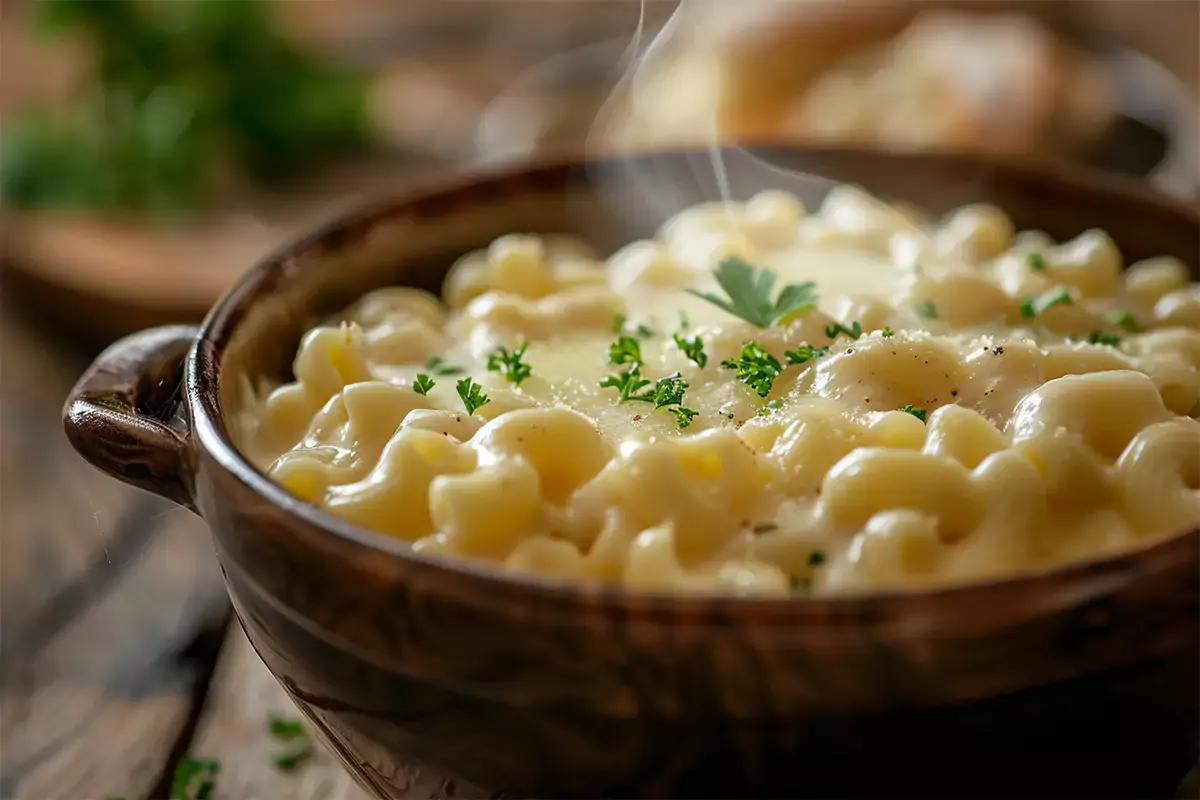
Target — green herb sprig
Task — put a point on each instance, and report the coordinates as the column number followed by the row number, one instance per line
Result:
column 1039, row 304
column 1124, row 320
column 854, row 331
column 194, row 778
column 1102, row 337
column 926, row 309
column 1036, row 262
column 423, row 384
column 755, row 367
column 471, row 394
column 804, row 353
column 620, row 321
column 919, row 413
column 887, row 332
column 509, row 364
column 300, row 743
column 749, row 290
column 438, row 366
column 771, row 407
column 692, row 348
column 625, row 350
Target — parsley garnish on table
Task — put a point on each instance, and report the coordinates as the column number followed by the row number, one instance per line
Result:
column 749, row 291
column 183, row 95
column 299, row 743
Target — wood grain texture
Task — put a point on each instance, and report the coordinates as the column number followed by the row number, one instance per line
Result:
column 111, row 600
column 233, row 729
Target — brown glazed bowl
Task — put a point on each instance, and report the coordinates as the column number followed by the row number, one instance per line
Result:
column 1078, row 681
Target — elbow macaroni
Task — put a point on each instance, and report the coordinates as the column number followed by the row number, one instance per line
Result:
column 1005, row 403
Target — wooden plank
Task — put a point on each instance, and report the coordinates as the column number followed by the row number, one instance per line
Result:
column 232, row 729
column 113, row 604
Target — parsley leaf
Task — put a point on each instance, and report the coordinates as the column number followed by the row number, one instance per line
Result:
column 669, row 390
column 749, row 292
column 684, row 322
column 625, row 350
column 194, row 778
column 692, row 348
column 887, row 332
column 833, row 329
column 1032, row 306
column 683, row 415
column 919, row 413
column 438, row 366
column 300, row 743
column 1124, row 319
column 423, row 384
column 509, row 364
column 644, row 331
column 668, row 393
column 285, row 729
column 628, row 383
column 1100, row 337
column 1035, row 262
column 803, row 353
column 926, row 309
column 755, row 367
column 471, row 394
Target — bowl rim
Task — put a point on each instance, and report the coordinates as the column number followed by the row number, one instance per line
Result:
column 202, row 393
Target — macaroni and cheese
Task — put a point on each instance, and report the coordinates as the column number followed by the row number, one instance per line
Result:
column 760, row 400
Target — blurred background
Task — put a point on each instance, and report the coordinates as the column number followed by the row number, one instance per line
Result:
column 152, row 150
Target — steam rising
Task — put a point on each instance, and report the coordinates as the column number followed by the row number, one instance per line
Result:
column 657, row 70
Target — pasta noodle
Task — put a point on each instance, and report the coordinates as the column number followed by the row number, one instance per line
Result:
column 948, row 401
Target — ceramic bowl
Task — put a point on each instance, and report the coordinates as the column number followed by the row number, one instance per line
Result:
column 1080, row 680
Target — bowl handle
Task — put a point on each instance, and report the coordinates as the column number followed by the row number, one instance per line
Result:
column 122, row 414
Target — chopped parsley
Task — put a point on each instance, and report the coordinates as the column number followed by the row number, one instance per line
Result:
column 666, row 393
column 749, row 293
column 926, row 309
column 887, row 332
column 684, row 322
column 1035, row 262
column 692, row 348
column 683, row 415
column 628, row 383
column 509, row 364
column 919, row 413
column 625, row 350
column 755, row 367
column 300, row 744
column 438, row 366
column 1100, row 337
column 803, row 353
column 472, row 395
column 1032, row 306
column 423, row 384
column 194, row 778
column 1124, row 320
column 833, row 329
column 644, row 331
column 816, row 558
column 773, row 405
